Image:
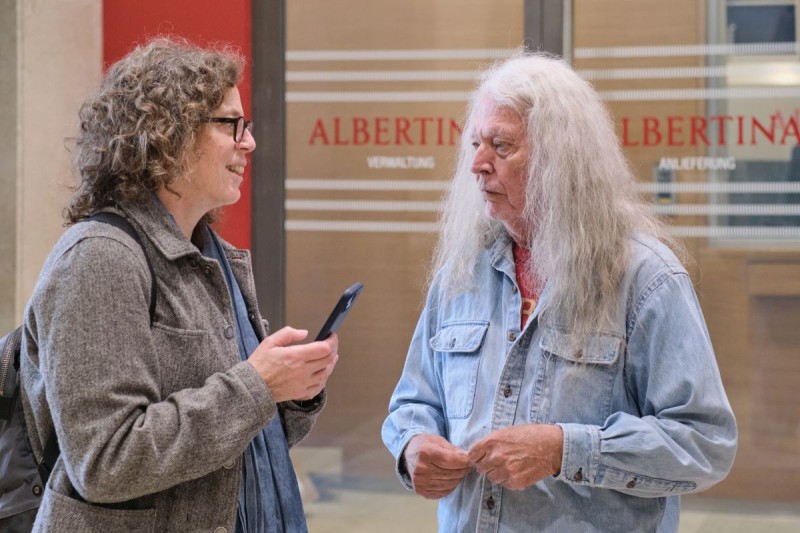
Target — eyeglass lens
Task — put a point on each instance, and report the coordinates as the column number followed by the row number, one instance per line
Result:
column 238, row 129
column 239, row 126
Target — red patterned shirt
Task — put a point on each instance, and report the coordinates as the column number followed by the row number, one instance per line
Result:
column 530, row 291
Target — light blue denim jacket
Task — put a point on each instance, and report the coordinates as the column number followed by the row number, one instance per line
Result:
column 645, row 421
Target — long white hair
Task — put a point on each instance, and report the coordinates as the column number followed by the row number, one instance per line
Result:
column 581, row 202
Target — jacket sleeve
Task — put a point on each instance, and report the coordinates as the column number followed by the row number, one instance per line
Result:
column 684, row 438
column 95, row 354
column 415, row 406
column 299, row 417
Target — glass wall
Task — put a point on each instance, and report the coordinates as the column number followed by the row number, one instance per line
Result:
column 375, row 98
column 706, row 97
column 375, row 103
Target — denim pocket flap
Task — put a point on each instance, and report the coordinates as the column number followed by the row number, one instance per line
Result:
column 602, row 349
column 461, row 337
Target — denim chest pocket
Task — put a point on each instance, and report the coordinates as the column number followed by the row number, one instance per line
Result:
column 458, row 344
column 578, row 382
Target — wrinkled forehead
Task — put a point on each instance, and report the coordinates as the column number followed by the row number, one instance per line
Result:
column 491, row 119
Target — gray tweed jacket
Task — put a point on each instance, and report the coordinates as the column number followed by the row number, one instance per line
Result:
column 152, row 422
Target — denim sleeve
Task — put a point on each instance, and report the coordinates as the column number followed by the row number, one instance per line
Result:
column 415, row 407
column 684, row 436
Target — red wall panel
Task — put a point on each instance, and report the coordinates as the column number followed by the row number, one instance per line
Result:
column 126, row 24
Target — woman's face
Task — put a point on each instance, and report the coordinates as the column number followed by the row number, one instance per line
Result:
column 216, row 171
column 500, row 164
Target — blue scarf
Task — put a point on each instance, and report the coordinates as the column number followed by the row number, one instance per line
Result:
column 269, row 497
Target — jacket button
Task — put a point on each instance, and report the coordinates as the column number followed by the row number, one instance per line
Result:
column 578, row 475
column 490, row 503
column 207, row 270
column 230, row 464
column 507, row 391
column 229, row 332
column 631, row 483
column 37, row 490
column 220, row 530
column 512, row 336
column 514, row 289
column 192, row 263
column 579, row 354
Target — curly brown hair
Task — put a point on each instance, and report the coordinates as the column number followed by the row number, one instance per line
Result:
column 143, row 121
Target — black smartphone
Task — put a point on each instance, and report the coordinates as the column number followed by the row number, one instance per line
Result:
column 340, row 311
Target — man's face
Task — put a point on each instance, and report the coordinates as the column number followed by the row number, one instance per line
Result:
column 500, row 164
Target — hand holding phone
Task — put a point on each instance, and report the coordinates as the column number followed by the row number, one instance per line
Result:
column 340, row 311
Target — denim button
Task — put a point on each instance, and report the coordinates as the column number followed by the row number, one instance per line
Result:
column 490, row 503
column 230, row 464
column 578, row 475
column 579, row 354
column 192, row 263
column 507, row 391
column 631, row 483
column 514, row 289
column 220, row 530
column 37, row 490
column 229, row 332
column 512, row 336
column 207, row 270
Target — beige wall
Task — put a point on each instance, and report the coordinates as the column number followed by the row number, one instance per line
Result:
column 59, row 62
column 8, row 160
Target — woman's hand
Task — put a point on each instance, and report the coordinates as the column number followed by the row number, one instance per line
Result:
column 294, row 372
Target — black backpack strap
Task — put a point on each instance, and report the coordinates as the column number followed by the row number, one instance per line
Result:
column 51, row 449
column 118, row 221
column 49, row 457
column 9, row 372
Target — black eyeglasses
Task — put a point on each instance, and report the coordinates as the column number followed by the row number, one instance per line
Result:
column 239, row 125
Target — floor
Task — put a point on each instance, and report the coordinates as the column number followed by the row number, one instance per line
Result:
column 358, row 506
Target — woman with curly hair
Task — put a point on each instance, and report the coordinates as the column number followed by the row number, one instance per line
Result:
column 177, row 418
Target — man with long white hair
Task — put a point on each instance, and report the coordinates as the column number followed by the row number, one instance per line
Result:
column 561, row 376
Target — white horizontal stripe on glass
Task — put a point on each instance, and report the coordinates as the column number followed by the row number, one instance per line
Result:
column 653, row 73
column 740, row 187
column 759, row 72
column 729, row 209
column 425, row 206
column 617, row 96
column 368, row 226
column 397, row 55
column 380, row 75
column 333, row 184
column 688, row 50
column 361, row 226
column 362, row 205
column 314, row 184
column 376, row 96
column 743, row 232
column 701, row 94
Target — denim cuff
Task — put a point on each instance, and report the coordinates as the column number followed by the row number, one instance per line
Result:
column 581, row 454
column 400, row 464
